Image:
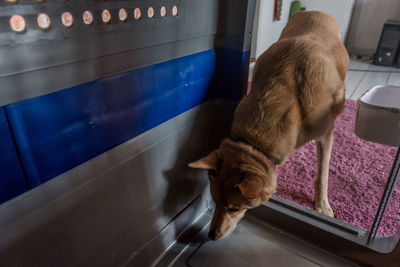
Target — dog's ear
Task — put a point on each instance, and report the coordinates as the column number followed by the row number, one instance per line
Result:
column 255, row 187
column 211, row 162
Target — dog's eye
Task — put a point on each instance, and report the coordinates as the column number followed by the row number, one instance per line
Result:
column 212, row 173
column 233, row 209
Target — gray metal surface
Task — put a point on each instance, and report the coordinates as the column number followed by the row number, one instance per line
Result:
column 235, row 23
column 248, row 32
column 37, row 62
column 253, row 243
column 123, row 207
column 36, row 48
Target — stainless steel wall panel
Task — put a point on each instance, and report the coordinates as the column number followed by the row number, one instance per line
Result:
column 36, row 62
column 107, row 210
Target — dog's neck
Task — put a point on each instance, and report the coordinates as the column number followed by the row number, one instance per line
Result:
column 245, row 142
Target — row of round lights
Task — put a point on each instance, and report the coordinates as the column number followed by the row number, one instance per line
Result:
column 18, row 24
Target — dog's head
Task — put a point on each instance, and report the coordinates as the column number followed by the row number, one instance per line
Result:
column 241, row 178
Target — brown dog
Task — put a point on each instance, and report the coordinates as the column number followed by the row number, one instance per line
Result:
column 297, row 92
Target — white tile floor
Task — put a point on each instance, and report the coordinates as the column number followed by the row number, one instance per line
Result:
column 362, row 75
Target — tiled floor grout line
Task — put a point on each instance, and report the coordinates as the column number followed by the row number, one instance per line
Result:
column 355, row 88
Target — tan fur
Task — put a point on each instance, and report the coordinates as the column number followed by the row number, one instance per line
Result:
column 297, row 93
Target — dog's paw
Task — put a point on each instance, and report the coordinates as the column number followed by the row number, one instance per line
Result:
column 324, row 209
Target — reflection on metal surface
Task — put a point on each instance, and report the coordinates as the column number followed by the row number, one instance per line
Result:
column 137, row 13
column 194, row 36
column 94, row 181
column 163, row 11
column 253, row 243
column 67, row 19
column 387, row 193
column 106, row 16
column 17, row 23
column 12, row 182
column 43, row 21
column 12, row 1
column 122, row 14
column 150, row 12
column 87, row 17
column 174, row 11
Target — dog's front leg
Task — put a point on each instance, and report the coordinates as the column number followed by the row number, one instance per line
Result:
column 321, row 202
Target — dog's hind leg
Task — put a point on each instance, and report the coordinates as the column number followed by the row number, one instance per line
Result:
column 324, row 147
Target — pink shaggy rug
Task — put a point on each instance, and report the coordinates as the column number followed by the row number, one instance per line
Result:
column 357, row 177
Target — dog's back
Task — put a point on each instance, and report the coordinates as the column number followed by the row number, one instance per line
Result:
column 297, row 87
column 321, row 28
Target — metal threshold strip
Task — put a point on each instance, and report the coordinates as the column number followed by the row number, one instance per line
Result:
column 328, row 233
column 253, row 243
column 278, row 227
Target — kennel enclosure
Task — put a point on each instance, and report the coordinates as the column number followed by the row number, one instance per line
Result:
column 103, row 103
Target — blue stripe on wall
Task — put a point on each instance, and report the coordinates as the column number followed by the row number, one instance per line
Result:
column 12, row 180
column 58, row 131
column 232, row 66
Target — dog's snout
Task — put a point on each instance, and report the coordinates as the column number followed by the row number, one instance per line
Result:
column 213, row 235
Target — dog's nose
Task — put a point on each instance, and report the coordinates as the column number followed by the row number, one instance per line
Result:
column 213, row 235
